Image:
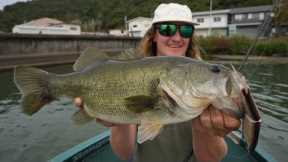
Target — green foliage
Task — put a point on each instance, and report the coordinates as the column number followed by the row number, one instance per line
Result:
column 276, row 46
column 237, row 45
column 215, row 44
column 97, row 15
column 240, row 44
column 281, row 16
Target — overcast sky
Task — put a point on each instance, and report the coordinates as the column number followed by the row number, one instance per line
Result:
column 3, row 3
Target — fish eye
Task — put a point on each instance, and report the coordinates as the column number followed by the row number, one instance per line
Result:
column 215, row 69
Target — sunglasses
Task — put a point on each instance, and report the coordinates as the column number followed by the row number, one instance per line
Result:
column 168, row 30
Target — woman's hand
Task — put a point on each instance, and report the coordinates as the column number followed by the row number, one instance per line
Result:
column 215, row 122
column 208, row 131
column 79, row 103
column 122, row 136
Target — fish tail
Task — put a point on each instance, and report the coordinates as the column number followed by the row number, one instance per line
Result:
column 34, row 86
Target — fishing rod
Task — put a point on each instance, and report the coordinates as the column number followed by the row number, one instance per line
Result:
column 262, row 29
column 266, row 26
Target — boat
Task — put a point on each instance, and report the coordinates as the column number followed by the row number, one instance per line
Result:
column 98, row 149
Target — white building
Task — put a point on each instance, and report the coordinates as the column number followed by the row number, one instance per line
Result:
column 47, row 26
column 228, row 22
column 138, row 26
column 118, row 32
column 216, row 24
column 248, row 20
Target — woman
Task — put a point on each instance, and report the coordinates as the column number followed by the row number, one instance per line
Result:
column 172, row 34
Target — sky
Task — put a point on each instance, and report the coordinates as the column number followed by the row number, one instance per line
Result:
column 3, row 3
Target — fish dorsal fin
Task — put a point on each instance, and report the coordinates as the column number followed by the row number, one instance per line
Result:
column 93, row 55
column 141, row 103
column 128, row 54
column 148, row 131
column 88, row 57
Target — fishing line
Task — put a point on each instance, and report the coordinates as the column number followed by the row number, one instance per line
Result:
column 261, row 30
column 264, row 28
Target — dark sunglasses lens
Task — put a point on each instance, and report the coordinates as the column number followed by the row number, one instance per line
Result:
column 167, row 29
column 186, row 31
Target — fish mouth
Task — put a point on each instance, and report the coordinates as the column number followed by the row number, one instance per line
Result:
column 251, row 117
column 251, row 122
column 253, row 109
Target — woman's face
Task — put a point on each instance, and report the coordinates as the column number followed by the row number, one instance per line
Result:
column 174, row 45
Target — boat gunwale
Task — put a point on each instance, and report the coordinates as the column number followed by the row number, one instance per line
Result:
column 87, row 147
column 83, row 149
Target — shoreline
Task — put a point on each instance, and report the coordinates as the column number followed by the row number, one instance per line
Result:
column 238, row 59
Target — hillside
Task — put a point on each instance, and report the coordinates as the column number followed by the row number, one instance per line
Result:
column 101, row 15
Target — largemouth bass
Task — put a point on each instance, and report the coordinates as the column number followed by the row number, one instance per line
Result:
column 150, row 91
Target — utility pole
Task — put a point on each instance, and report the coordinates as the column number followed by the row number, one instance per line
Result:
column 210, row 18
column 125, row 24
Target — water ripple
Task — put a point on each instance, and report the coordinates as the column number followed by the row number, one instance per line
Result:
column 266, row 74
column 281, row 85
column 267, row 98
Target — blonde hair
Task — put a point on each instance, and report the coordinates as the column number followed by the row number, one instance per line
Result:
column 148, row 48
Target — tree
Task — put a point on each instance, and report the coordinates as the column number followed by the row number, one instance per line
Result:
column 282, row 16
column 102, row 15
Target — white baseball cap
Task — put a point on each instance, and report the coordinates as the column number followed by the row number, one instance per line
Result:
column 172, row 12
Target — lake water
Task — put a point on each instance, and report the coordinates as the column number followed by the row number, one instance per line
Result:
column 50, row 131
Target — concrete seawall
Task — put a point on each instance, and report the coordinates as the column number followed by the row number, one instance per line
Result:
column 18, row 49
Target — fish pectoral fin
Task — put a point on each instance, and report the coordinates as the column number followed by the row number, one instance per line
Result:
column 81, row 117
column 139, row 104
column 148, row 131
column 167, row 100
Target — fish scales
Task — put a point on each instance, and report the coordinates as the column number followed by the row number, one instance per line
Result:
column 113, row 87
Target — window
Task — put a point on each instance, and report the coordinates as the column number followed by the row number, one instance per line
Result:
column 58, row 26
column 135, row 26
column 261, row 16
column 146, row 25
column 200, row 20
column 73, row 28
column 239, row 17
column 250, row 16
column 217, row 19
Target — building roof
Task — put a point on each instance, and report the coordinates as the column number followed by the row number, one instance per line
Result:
column 44, row 22
column 214, row 12
column 252, row 9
